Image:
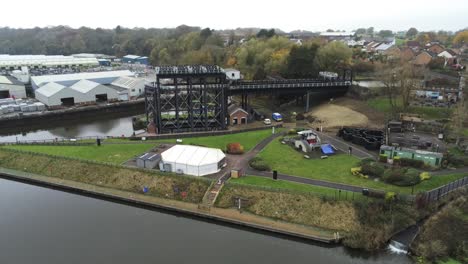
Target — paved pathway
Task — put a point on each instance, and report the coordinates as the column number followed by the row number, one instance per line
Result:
column 342, row 145
column 450, row 171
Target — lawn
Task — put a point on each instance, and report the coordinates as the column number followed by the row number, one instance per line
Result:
column 382, row 104
column 247, row 139
column 115, row 153
column 287, row 160
column 286, row 185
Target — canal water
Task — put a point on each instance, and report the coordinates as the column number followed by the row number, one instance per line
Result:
column 40, row 225
column 113, row 126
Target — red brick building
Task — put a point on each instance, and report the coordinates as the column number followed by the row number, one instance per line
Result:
column 237, row 115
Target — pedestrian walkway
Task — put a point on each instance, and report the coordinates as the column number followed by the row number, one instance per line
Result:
column 344, row 146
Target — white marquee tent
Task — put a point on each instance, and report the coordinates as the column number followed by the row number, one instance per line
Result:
column 192, row 160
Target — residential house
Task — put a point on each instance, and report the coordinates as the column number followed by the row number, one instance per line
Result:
column 435, row 48
column 407, row 54
column 423, row 58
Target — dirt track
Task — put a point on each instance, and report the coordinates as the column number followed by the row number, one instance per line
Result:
column 346, row 112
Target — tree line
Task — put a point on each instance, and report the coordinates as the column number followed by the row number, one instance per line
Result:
column 257, row 56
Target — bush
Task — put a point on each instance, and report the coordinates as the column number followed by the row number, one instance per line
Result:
column 424, row 176
column 373, row 169
column 259, row 164
column 300, row 116
column 396, row 160
column 366, row 161
column 357, row 172
column 235, row 148
column 401, row 176
column 412, row 163
column 383, row 158
column 390, row 196
column 292, row 131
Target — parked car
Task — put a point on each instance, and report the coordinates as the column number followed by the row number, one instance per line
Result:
column 277, row 117
column 267, row 121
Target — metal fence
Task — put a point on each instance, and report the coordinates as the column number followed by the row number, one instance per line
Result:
column 438, row 193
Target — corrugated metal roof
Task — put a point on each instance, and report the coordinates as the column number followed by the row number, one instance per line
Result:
column 38, row 80
column 50, row 89
column 128, row 82
column 5, row 80
column 132, row 57
column 44, row 60
column 84, row 86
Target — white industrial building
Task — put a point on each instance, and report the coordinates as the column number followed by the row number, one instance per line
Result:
column 192, row 160
column 12, row 62
column 104, row 77
column 93, row 92
column 134, row 86
column 10, row 87
column 54, row 94
column 232, row 74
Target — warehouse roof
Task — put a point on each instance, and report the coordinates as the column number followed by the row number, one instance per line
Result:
column 133, row 57
column 5, row 80
column 43, row 60
column 84, row 86
column 38, row 80
column 128, row 82
column 50, row 89
column 192, row 155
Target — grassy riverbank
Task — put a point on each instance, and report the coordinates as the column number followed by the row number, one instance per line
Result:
column 169, row 186
column 366, row 224
column 445, row 234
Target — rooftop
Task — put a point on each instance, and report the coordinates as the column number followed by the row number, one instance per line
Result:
column 84, row 86
column 50, row 89
column 39, row 80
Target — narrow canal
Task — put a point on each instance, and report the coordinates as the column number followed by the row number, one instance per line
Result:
column 40, row 225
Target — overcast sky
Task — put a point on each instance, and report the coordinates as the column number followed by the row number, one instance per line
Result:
column 223, row 14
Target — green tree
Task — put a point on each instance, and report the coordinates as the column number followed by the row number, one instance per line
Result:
column 370, row 31
column 360, row 31
column 300, row 63
column 385, row 33
column 411, row 33
column 333, row 56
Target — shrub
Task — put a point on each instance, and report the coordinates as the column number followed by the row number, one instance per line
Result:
column 401, row 176
column 357, row 172
column 292, row 131
column 300, row 116
column 259, row 164
column 390, row 196
column 366, row 161
column 383, row 158
column 396, row 160
column 373, row 169
column 235, row 148
column 411, row 163
column 424, row 176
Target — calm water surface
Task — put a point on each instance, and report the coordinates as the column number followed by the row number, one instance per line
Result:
column 40, row 225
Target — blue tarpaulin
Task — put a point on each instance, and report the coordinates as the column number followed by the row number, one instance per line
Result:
column 327, row 149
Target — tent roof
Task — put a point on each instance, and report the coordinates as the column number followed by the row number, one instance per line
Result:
column 192, row 155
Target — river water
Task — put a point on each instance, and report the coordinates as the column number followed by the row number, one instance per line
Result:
column 40, row 225
column 116, row 127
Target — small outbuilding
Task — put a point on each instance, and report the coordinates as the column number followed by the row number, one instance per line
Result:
column 237, row 115
column 192, row 160
column 148, row 160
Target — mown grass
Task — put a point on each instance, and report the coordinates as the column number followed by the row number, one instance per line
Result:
column 382, row 104
column 287, row 160
column 280, row 184
column 247, row 139
column 110, row 153
column 116, row 177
